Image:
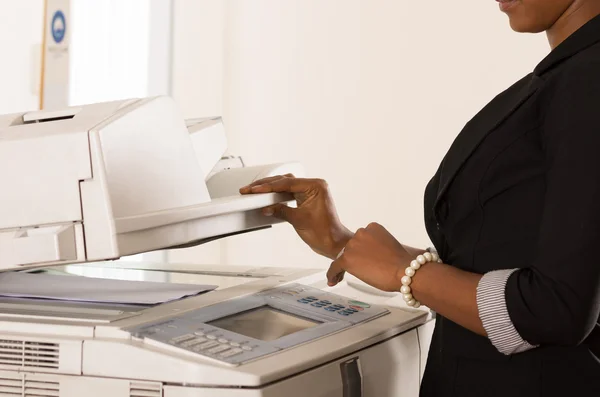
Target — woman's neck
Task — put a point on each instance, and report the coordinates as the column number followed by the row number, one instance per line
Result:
column 577, row 15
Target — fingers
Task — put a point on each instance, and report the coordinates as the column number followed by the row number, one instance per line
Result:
column 248, row 189
column 281, row 211
column 339, row 278
column 284, row 185
column 338, row 268
column 335, row 273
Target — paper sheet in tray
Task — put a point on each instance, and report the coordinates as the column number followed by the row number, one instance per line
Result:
column 96, row 290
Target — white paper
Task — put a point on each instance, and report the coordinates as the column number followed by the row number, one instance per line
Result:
column 96, row 290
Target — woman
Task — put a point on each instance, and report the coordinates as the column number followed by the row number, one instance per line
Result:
column 514, row 213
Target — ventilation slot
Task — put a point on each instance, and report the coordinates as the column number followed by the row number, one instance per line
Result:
column 145, row 390
column 41, row 389
column 16, row 353
column 48, row 120
column 11, row 387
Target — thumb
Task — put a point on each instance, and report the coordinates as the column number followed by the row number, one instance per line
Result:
column 335, row 273
column 281, row 211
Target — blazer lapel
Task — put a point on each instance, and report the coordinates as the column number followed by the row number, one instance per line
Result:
column 480, row 126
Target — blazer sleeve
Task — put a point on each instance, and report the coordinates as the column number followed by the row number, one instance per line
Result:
column 557, row 300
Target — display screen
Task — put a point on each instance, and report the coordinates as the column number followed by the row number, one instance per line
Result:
column 264, row 323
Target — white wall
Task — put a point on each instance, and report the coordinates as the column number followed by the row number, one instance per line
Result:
column 367, row 94
column 198, row 54
column 197, row 83
column 20, row 40
column 109, row 50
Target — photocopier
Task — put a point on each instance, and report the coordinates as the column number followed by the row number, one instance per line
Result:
column 86, row 185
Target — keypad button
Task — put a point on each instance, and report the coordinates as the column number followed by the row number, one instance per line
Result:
column 235, row 344
column 223, row 340
column 219, row 349
column 312, row 298
column 199, row 333
column 326, row 302
column 182, row 338
column 211, row 337
column 357, row 308
column 193, row 342
column 230, row 353
column 303, row 301
column 360, row 304
column 247, row 348
column 207, row 345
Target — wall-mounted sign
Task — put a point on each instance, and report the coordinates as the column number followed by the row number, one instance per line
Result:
column 54, row 92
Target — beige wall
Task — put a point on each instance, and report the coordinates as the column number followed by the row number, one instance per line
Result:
column 197, row 83
column 20, row 40
column 367, row 94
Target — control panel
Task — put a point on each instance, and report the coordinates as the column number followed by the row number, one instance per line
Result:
column 316, row 300
column 249, row 327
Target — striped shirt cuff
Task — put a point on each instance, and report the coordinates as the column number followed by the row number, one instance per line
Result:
column 491, row 302
column 432, row 250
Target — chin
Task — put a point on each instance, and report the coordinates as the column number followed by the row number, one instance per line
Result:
column 524, row 26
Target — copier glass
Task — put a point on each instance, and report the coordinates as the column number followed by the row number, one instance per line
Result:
column 83, row 186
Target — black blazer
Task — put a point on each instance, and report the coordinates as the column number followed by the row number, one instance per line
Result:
column 520, row 188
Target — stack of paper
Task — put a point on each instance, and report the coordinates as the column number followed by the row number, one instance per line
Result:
column 95, row 290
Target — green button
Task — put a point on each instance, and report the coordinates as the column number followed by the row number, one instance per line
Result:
column 358, row 303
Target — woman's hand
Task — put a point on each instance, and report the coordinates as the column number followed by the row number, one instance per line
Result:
column 315, row 218
column 374, row 256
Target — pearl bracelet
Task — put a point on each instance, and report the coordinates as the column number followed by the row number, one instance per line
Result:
column 410, row 271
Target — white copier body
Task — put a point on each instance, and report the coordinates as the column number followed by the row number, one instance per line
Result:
column 90, row 184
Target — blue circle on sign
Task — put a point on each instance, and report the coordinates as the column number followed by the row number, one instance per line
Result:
column 59, row 26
